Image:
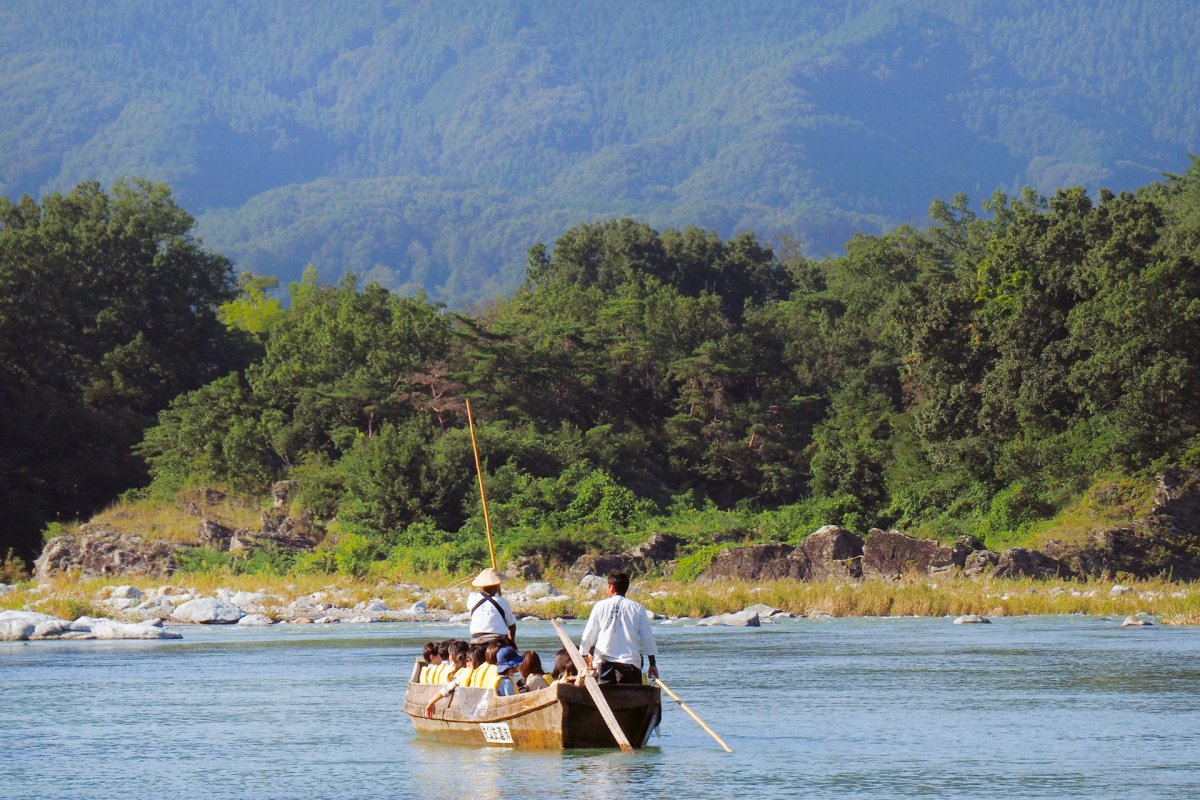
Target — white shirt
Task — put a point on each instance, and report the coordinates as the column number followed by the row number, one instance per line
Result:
column 486, row 618
column 620, row 631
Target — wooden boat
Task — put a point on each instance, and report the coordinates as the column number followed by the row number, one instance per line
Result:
column 560, row 716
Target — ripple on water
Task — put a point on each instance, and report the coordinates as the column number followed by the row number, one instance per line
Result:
column 1023, row 708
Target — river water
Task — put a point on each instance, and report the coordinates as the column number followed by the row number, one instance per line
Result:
column 1027, row 707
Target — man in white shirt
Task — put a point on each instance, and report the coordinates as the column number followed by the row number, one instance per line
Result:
column 618, row 631
column 491, row 616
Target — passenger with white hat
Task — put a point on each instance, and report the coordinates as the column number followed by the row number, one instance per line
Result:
column 491, row 616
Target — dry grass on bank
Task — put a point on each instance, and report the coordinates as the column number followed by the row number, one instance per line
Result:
column 927, row 598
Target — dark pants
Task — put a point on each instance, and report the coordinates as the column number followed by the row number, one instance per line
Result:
column 612, row 672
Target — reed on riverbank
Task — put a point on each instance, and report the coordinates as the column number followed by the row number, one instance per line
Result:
column 1172, row 603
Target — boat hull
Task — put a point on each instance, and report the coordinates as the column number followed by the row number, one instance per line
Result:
column 559, row 717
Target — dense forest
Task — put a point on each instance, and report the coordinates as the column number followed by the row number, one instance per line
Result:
column 974, row 376
column 425, row 145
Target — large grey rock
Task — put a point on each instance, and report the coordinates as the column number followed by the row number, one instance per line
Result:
column 971, row 619
column 655, row 550
column 980, row 562
column 741, row 619
column 760, row 562
column 251, row 602
column 892, row 554
column 16, row 630
column 536, row 591
column 207, row 611
column 98, row 551
column 32, row 625
column 109, row 629
column 1020, row 562
column 525, row 568
column 830, row 552
column 213, row 534
column 127, row 591
column 255, row 620
column 31, row 616
column 593, row 584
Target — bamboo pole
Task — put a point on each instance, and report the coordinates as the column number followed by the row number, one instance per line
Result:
column 692, row 714
column 487, row 522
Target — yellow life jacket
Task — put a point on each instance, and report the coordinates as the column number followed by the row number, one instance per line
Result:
column 463, row 676
column 424, row 675
column 439, row 672
column 485, row 677
column 477, row 674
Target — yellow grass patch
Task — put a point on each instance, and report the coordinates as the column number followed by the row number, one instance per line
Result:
column 178, row 521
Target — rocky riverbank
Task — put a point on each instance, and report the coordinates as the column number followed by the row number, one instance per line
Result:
column 74, row 608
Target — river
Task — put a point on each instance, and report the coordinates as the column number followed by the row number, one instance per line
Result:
column 1027, row 707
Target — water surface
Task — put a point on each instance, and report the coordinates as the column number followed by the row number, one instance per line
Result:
column 1033, row 707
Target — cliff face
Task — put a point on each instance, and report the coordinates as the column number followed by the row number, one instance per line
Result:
column 1163, row 543
column 117, row 548
column 100, row 551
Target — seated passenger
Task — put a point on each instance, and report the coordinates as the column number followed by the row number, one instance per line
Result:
column 477, row 656
column 486, row 678
column 564, row 668
column 470, row 660
column 532, row 677
column 431, row 658
column 507, row 661
column 444, row 671
column 459, row 671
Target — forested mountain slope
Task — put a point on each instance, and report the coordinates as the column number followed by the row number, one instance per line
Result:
column 427, row 144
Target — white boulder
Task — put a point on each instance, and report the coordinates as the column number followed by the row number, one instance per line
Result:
column 538, row 590
column 593, row 584
column 253, row 602
column 207, row 611
column 971, row 619
column 126, row 591
column 742, row 619
column 16, row 630
column 255, row 621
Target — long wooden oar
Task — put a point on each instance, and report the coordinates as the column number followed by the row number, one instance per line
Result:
column 692, row 714
column 487, row 522
column 593, row 688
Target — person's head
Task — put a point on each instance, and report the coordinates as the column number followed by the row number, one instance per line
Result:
column 444, row 650
column 618, row 582
column 531, row 664
column 431, row 653
column 458, row 653
column 564, row 667
column 491, row 650
column 488, row 581
column 507, row 659
column 477, row 655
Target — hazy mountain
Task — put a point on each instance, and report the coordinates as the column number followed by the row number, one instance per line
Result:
column 429, row 144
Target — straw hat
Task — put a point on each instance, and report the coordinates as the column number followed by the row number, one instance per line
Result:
column 489, row 577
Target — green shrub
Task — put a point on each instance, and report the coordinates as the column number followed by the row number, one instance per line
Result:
column 53, row 530
column 194, row 560
column 354, row 554
column 12, row 568
column 690, row 566
column 315, row 561
column 265, row 561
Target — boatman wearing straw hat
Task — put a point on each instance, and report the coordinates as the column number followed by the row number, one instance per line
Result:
column 491, row 616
